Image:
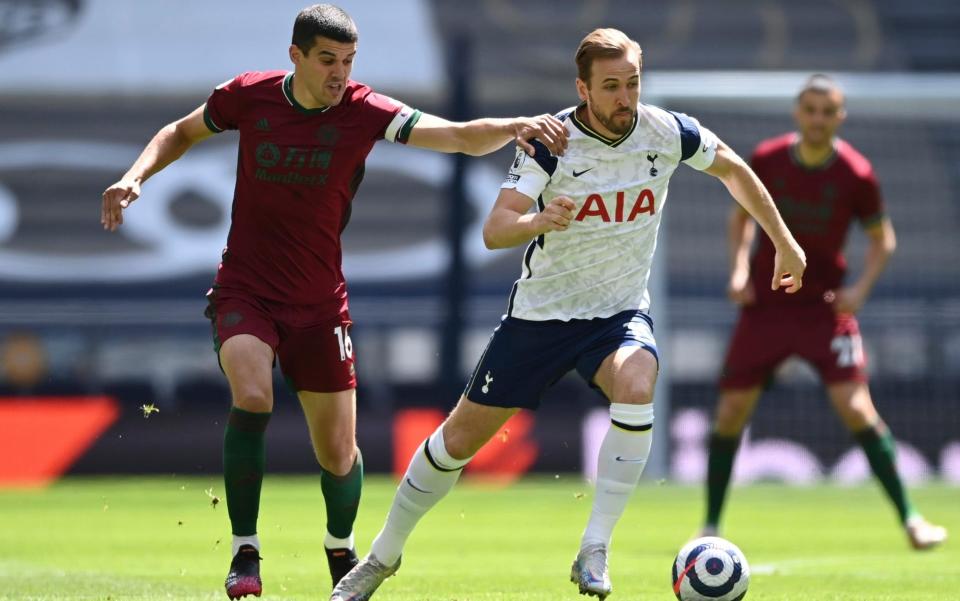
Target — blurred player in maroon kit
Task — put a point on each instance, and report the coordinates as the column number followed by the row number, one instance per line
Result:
column 821, row 185
column 279, row 292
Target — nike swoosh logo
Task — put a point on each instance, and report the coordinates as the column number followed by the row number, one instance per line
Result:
column 704, row 148
column 579, row 173
column 634, row 460
column 415, row 487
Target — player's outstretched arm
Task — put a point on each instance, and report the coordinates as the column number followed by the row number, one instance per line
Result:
column 744, row 185
column 167, row 145
column 483, row 136
column 509, row 223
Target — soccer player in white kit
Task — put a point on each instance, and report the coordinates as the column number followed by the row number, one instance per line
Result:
column 581, row 301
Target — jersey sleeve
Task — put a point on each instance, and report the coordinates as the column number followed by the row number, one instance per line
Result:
column 698, row 145
column 869, row 203
column 225, row 105
column 394, row 120
column 530, row 175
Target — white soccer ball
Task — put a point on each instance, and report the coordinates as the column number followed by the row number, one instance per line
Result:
column 710, row 569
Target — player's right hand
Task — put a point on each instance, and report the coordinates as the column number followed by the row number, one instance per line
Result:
column 789, row 263
column 116, row 198
column 556, row 216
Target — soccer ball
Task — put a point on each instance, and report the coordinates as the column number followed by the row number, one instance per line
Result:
column 710, row 569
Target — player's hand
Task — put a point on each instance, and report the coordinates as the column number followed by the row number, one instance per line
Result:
column 788, row 266
column 546, row 128
column 848, row 300
column 116, row 198
column 740, row 289
column 556, row 216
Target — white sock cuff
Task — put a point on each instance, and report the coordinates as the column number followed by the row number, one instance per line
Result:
column 437, row 453
column 332, row 542
column 634, row 417
column 239, row 541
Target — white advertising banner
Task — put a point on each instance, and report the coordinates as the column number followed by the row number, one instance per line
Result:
column 182, row 46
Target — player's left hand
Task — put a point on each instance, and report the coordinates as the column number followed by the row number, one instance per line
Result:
column 788, row 266
column 546, row 128
column 849, row 300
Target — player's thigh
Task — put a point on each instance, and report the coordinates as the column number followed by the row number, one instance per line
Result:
column 521, row 360
column 244, row 338
column 834, row 347
column 318, row 358
column 332, row 422
column 247, row 362
column 853, row 403
column 734, row 409
column 470, row 425
column 758, row 345
column 621, row 358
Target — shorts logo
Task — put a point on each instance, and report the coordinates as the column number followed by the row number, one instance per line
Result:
column 486, row 387
column 520, row 159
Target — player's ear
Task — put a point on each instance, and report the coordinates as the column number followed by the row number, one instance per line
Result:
column 582, row 89
column 296, row 55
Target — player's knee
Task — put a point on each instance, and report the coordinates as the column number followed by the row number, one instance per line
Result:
column 638, row 392
column 253, row 399
column 731, row 416
column 337, row 458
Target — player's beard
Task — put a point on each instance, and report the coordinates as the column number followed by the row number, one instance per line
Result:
column 609, row 122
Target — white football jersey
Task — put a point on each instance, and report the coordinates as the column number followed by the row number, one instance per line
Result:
column 600, row 265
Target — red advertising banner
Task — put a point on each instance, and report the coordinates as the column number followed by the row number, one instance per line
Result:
column 41, row 437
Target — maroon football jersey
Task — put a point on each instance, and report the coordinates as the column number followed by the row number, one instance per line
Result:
column 297, row 172
column 818, row 205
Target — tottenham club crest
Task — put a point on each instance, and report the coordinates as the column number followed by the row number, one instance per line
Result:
column 486, row 387
column 653, row 168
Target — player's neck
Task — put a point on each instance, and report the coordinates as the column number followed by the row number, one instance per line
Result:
column 303, row 96
column 587, row 117
column 813, row 155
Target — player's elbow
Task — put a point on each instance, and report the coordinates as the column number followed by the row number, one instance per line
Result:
column 889, row 238
column 490, row 239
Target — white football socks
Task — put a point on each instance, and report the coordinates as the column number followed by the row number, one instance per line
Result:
column 239, row 541
column 332, row 542
column 430, row 476
column 623, row 455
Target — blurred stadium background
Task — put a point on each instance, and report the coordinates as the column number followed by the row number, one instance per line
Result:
column 94, row 326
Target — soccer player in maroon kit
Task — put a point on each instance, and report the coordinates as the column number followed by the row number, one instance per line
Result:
column 279, row 291
column 820, row 184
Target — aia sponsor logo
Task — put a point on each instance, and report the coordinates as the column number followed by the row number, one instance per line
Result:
column 618, row 209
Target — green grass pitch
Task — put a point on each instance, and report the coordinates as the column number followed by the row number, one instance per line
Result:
column 161, row 538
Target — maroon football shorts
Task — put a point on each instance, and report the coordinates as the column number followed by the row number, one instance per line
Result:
column 765, row 336
column 314, row 349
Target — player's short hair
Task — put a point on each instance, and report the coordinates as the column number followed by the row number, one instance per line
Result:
column 819, row 83
column 603, row 43
column 324, row 20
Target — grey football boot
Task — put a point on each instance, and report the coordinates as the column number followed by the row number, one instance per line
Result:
column 589, row 571
column 363, row 580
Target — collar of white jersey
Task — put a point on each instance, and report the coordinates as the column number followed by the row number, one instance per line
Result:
column 587, row 130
